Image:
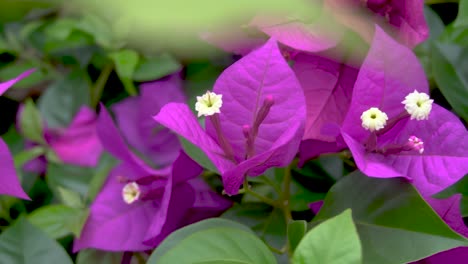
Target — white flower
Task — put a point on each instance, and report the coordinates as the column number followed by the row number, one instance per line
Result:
column 374, row 119
column 209, row 104
column 131, row 192
column 418, row 105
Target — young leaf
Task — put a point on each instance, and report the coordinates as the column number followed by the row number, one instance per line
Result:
column 333, row 241
column 149, row 69
column 126, row 62
column 296, row 231
column 214, row 241
column 390, row 217
column 24, row 243
column 462, row 18
column 59, row 220
column 31, row 122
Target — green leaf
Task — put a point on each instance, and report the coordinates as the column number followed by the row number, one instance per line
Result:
column 93, row 256
column 296, row 231
column 197, row 155
column 12, row 70
column 214, row 241
column 27, row 155
column 99, row 29
column 70, row 177
column 66, row 95
column 60, row 29
column 149, row 69
column 22, row 243
column 106, row 164
column 462, row 17
column 301, row 197
column 70, row 198
column 423, row 50
column 58, row 221
column 31, row 122
column 461, row 186
column 333, row 241
column 450, row 68
column 390, row 217
column 126, row 62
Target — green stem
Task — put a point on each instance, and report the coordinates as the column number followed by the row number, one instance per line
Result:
column 98, row 87
column 287, row 192
column 257, row 195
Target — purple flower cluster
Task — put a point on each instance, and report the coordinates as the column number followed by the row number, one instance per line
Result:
column 261, row 113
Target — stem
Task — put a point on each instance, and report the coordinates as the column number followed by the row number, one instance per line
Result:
column 257, row 195
column 286, row 192
column 96, row 91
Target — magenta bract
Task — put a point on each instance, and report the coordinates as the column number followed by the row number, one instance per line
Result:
column 260, row 84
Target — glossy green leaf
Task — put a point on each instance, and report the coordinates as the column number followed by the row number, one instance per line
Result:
column 31, row 122
column 23, row 243
column 296, row 231
column 462, row 17
column 212, row 241
column 450, row 68
column 333, row 241
column 390, row 217
column 66, row 95
column 197, row 155
column 59, row 220
column 94, row 256
column 149, row 69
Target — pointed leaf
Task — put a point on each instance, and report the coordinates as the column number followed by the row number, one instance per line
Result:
column 58, row 220
column 23, row 243
column 462, row 17
column 449, row 63
column 296, row 231
column 386, row 219
column 333, row 241
column 149, row 69
column 31, row 122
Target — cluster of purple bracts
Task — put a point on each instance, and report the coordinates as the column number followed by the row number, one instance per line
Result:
column 270, row 113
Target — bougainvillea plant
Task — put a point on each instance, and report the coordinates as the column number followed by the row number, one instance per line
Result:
column 264, row 132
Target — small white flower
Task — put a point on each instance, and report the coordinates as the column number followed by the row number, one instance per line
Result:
column 416, row 144
column 374, row 119
column 418, row 105
column 131, row 192
column 209, row 104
